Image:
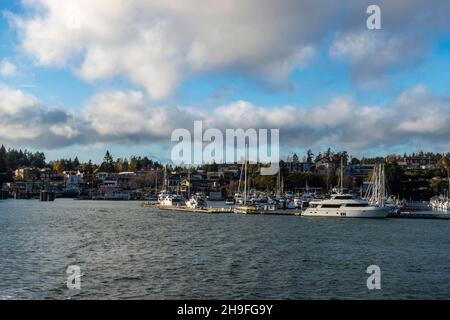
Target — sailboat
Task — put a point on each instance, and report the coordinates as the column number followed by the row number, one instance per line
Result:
column 441, row 202
column 303, row 201
column 346, row 205
column 242, row 205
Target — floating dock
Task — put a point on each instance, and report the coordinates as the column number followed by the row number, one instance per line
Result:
column 212, row 210
column 421, row 215
column 198, row 210
column 187, row 209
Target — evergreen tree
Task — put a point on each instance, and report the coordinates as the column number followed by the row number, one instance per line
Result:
column 108, row 163
column 76, row 163
column 309, row 156
column 2, row 159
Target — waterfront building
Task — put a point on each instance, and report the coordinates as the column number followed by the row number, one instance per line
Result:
column 418, row 162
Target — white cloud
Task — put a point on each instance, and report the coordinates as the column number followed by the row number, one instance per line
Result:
column 15, row 101
column 128, row 116
column 24, row 120
column 7, row 69
column 156, row 44
column 415, row 116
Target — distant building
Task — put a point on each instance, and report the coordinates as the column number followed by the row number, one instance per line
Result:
column 418, row 162
column 101, row 175
column 48, row 174
column 26, row 174
column 359, row 170
column 324, row 166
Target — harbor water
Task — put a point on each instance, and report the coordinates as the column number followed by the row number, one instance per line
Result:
column 126, row 251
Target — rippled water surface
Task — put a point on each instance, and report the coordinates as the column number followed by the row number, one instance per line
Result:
column 129, row 252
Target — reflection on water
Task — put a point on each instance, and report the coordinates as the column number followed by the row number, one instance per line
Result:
column 130, row 252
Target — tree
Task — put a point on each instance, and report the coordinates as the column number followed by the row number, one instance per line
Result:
column 57, row 167
column 37, row 160
column 133, row 166
column 444, row 164
column 76, row 163
column 309, row 156
column 108, row 163
column 2, row 159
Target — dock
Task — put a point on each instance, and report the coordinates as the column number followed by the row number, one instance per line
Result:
column 187, row 209
column 421, row 215
column 196, row 210
column 212, row 210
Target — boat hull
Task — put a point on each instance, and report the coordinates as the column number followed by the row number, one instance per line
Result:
column 368, row 212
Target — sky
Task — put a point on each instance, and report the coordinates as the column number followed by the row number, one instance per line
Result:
column 78, row 77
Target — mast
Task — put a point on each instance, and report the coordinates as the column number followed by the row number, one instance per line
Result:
column 342, row 176
column 165, row 178
column 156, row 181
column 245, row 176
column 240, row 178
column 376, row 192
column 382, row 186
column 189, row 182
column 279, row 183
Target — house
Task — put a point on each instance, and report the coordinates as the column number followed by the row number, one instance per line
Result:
column 418, row 162
column 359, row 170
column 101, row 175
column 324, row 166
column 26, row 174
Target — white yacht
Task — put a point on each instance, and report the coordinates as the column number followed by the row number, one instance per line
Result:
column 345, row 206
column 348, row 206
column 173, row 201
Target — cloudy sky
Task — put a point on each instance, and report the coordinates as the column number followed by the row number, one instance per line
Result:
column 78, row 77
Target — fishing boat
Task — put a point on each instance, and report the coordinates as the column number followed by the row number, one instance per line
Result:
column 173, row 201
column 197, row 201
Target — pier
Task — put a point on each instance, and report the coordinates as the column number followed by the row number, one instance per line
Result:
column 47, row 196
column 218, row 210
column 198, row 210
column 421, row 215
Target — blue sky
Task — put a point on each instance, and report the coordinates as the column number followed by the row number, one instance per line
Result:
column 336, row 69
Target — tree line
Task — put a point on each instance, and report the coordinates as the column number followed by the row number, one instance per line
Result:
column 12, row 159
